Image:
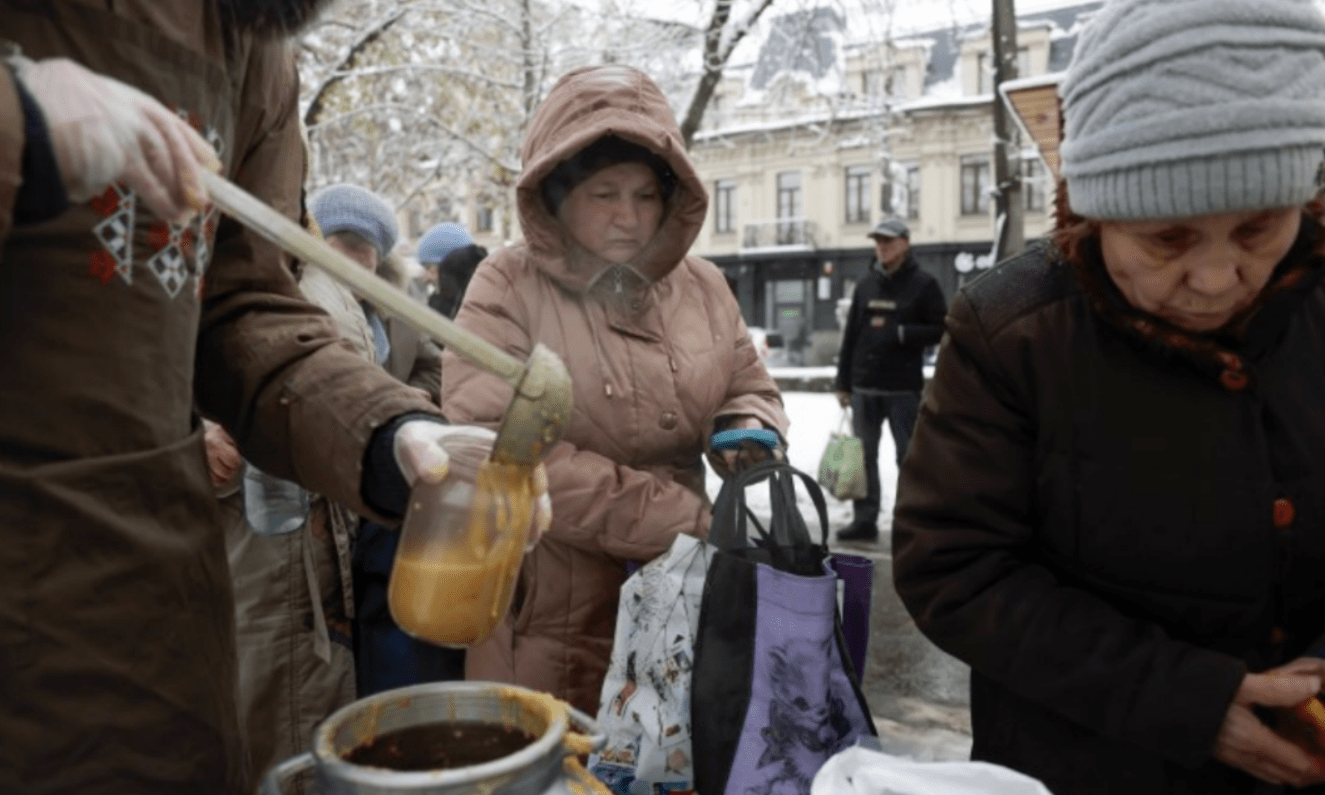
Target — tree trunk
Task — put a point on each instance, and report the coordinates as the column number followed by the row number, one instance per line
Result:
column 530, row 68
column 715, row 60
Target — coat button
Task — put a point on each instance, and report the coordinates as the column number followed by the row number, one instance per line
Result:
column 667, row 421
column 1278, row 636
column 1284, row 513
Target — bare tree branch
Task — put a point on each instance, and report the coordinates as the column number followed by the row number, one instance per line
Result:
column 716, row 54
column 361, row 110
column 485, row 11
column 425, row 182
column 370, row 34
column 424, row 67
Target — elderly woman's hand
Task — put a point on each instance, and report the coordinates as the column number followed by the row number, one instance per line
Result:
column 223, row 458
column 748, row 453
column 1248, row 744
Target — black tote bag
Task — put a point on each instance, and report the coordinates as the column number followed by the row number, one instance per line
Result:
column 773, row 691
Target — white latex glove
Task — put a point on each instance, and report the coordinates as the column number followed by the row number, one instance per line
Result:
column 421, row 452
column 104, row 131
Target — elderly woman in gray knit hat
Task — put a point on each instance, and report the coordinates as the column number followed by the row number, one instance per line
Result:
column 1114, row 504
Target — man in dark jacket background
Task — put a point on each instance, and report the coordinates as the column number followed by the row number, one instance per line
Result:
column 896, row 312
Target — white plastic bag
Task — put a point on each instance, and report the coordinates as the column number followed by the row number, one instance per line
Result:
column 645, row 705
column 860, row 771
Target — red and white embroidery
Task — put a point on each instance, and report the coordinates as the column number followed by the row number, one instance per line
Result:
column 172, row 243
column 117, row 207
column 178, row 252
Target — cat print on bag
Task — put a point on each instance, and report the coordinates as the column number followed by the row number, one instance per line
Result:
column 807, row 720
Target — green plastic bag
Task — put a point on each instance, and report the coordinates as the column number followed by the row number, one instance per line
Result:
column 842, row 468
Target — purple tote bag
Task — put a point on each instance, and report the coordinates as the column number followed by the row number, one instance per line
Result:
column 774, row 692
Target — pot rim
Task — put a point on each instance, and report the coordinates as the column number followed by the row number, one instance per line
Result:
column 332, row 763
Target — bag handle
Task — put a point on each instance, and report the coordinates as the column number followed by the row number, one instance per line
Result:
column 787, row 528
column 845, row 427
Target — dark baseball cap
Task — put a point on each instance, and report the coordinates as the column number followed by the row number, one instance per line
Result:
column 891, row 227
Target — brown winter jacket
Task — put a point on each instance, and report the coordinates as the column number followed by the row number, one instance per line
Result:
column 1112, row 521
column 117, row 625
column 654, row 367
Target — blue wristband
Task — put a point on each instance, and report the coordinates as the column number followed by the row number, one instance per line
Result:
column 730, row 440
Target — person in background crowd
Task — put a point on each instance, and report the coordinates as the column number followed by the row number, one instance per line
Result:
column 453, row 275
column 361, row 225
column 896, row 312
column 1112, row 508
column 290, row 551
column 658, row 353
column 434, row 247
column 118, row 665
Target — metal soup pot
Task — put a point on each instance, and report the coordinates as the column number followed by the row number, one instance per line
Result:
column 536, row 769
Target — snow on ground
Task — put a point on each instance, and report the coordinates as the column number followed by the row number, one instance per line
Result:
column 814, row 417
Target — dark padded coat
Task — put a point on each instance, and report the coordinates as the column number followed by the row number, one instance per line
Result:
column 892, row 319
column 1112, row 521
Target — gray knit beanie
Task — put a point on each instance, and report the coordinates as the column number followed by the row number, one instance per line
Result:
column 349, row 208
column 1178, row 108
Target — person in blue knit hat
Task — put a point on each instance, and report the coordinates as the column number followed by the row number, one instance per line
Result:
column 362, row 226
column 441, row 240
column 449, row 256
column 345, row 208
column 1111, row 508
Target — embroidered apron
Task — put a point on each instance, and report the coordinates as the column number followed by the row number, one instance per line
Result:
column 117, row 655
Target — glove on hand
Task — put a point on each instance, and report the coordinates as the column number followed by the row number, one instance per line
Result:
column 421, row 451
column 103, row 131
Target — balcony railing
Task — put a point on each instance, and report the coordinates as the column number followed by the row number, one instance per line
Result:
column 781, row 233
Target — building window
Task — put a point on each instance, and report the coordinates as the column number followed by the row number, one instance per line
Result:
column 984, row 67
column 483, row 219
column 871, row 82
column 790, row 207
column 897, row 83
column 878, row 82
column 724, row 206
column 975, row 185
column 858, row 194
column 1034, row 186
column 913, row 191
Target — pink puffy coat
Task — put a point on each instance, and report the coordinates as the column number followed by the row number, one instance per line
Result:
column 658, row 352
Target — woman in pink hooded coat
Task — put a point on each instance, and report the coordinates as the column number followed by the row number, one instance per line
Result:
column 660, row 358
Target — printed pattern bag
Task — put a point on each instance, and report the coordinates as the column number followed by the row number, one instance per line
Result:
column 842, row 467
column 774, row 693
column 645, row 706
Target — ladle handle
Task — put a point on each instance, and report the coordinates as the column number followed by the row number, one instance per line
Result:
column 271, row 783
column 253, row 213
